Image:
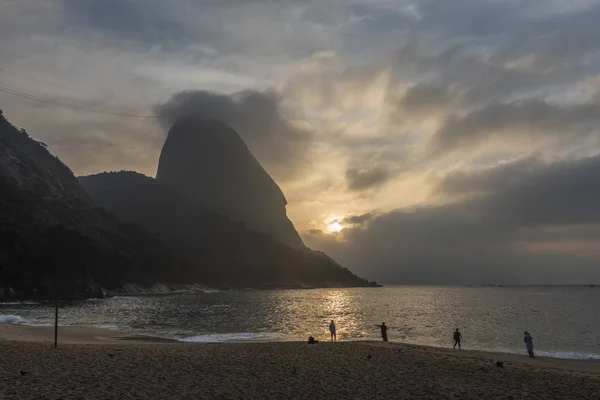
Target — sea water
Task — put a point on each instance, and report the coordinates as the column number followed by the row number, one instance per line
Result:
column 564, row 321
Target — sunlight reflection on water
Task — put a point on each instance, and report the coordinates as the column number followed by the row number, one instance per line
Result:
column 563, row 319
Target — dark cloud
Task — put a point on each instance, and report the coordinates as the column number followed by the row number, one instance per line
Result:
column 534, row 192
column 483, row 182
column 426, row 97
column 260, row 27
column 468, row 18
column 282, row 148
column 358, row 219
column 359, row 179
column 519, row 229
column 143, row 20
column 524, row 118
column 465, row 79
column 558, row 41
column 530, row 54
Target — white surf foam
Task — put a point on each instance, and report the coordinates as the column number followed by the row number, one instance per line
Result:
column 568, row 355
column 550, row 354
column 235, row 337
column 10, row 319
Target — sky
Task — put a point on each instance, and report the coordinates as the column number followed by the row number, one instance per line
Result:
column 417, row 142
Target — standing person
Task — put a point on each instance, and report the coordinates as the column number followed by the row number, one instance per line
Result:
column 457, row 337
column 332, row 331
column 529, row 344
column 383, row 328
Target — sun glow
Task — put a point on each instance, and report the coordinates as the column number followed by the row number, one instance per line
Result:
column 334, row 226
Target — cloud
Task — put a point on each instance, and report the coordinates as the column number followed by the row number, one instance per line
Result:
column 510, row 229
column 358, row 219
column 531, row 56
column 426, row 98
column 281, row 146
column 535, row 192
column 517, row 121
column 438, row 118
column 141, row 20
column 465, row 183
column 364, row 179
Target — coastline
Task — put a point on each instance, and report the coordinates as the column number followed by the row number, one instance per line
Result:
column 84, row 334
column 68, row 335
column 98, row 363
column 72, row 335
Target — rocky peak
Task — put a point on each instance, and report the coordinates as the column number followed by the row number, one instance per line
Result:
column 208, row 161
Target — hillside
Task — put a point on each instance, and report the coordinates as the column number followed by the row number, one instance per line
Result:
column 56, row 242
column 53, row 242
column 207, row 161
column 225, row 253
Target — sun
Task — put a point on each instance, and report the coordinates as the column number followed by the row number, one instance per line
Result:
column 334, row 226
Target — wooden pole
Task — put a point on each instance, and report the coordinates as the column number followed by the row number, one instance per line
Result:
column 56, row 325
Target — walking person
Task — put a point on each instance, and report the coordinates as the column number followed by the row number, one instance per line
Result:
column 457, row 337
column 383, row 328
column 529, row 344
column 332, row 331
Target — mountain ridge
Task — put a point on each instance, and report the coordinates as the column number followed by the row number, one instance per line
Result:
column 228, row 253
column 207, row 161
column 55, row 242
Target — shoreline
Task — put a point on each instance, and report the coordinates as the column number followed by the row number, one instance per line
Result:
column 70, row 334
column 110, row 367
column 91, row 335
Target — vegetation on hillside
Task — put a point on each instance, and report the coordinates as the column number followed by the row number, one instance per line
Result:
column 224, row 253
column 54, row 243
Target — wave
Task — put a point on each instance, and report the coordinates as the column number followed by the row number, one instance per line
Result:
column 10, row 319
column 235, row 337
column 568, row 355
column 565, row 355
column 105, row 326
column 202, row 290
column 18, row 303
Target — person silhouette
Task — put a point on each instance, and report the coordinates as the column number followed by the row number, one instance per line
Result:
column 457, row 337
column 529, row 344
column 332, row 331
column 383, row 328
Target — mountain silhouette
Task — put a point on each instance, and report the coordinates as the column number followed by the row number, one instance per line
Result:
column 54, row 243
column 124, row 231
column 224, row 253
column 207, row 161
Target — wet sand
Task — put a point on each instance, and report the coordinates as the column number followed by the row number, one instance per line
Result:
column 103, row 364
column 72, row 335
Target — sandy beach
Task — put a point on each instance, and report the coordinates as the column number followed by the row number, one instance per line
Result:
column 93, row 363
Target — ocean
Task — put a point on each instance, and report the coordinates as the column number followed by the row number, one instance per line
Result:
column 563, row 320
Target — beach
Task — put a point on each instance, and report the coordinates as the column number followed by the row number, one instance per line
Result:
column 96, row 363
